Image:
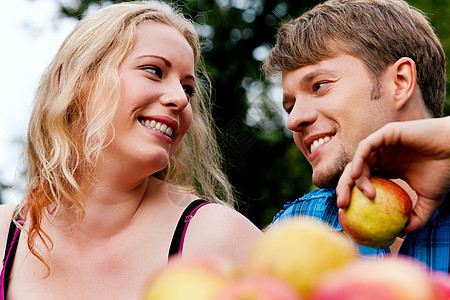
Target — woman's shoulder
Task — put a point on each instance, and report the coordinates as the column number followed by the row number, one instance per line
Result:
column 228, row 222
column 221, row 229
column 6, row 213
column 222, row 214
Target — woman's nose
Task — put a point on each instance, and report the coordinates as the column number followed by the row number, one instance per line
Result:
column 175, row 97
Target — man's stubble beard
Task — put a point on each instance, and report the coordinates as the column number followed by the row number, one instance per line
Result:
column 330, row 177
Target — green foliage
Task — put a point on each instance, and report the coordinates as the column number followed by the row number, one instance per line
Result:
column 262, row 162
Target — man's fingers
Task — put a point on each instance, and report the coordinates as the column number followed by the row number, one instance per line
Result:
column 365, row 186
column 422, row 212
column 344, row 187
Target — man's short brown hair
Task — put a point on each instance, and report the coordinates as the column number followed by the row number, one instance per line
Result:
column 377, row 31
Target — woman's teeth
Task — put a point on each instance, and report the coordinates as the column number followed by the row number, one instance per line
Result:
column 317, row 143
column 160, row 127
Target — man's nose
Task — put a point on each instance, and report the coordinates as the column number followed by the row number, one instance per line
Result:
column 301, row 115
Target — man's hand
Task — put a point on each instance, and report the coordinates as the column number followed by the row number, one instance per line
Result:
column 415, row 151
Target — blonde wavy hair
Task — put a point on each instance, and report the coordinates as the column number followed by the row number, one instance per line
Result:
column 69, row 124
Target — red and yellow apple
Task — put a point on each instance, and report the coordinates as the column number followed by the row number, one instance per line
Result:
column 257, row 287
column 387, row 279
column 376, row 223
column 194, row 278
column 441, row 281
column 299, row 252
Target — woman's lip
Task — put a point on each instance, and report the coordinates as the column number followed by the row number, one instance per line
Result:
column 163, row 119
column 160, row 135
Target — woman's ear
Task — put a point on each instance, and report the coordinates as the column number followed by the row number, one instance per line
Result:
column 405, row 80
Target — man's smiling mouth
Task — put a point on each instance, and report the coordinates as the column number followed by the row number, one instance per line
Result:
column 317, row 143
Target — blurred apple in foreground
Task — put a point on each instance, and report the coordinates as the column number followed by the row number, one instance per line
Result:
column 388, row 279
column 194, row 278
column 257, row 287
column 376, row 223
column 442, row 282
column 299, row 252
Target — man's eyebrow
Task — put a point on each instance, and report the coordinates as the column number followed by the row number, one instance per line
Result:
column 308, row 77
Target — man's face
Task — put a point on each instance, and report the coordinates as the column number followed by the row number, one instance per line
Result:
column 331, row 109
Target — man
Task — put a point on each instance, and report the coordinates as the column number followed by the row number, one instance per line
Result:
column 348, row 68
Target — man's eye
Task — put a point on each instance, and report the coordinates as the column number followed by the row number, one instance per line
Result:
column 317, row 86
column 153, row 70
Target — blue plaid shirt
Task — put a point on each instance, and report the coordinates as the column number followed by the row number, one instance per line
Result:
column 431, row 244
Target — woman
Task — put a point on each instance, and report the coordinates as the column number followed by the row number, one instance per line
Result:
column 119, row 146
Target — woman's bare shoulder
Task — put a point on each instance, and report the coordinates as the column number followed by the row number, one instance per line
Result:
column 224, row 215
column 221, row 230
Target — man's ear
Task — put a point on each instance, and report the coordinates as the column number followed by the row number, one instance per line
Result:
column 405, row 79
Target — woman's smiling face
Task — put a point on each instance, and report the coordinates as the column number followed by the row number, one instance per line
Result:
column 156, row 84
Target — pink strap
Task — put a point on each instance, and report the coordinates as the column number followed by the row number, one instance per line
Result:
column 187, row 220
